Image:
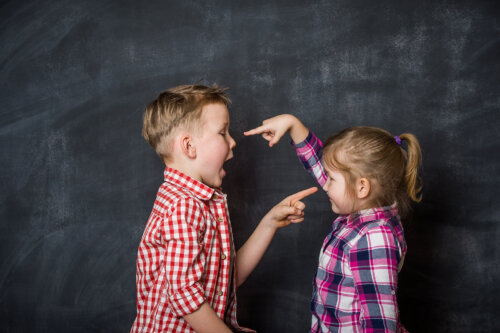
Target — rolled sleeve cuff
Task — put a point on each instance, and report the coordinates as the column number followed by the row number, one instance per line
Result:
column 303, row 143
column 187, row 300
column 310, row 153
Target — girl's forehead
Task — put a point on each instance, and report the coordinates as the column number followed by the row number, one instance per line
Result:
column 330, row 169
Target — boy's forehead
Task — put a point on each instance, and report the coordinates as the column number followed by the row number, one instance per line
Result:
column 215, row 112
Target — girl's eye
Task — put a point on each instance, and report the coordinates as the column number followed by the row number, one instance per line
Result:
column 222, row 133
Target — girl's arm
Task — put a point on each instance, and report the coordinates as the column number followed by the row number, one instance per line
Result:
column 374, row 265
column 274, row 128
column 310, row 152
column 290, row 210
column 307, row 145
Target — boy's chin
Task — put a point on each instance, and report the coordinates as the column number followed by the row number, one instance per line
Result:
column 216, row 183
column 222, row 174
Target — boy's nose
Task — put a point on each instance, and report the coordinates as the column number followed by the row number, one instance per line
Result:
column 232, row 143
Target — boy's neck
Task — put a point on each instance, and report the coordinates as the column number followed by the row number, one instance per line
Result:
column 184, row 168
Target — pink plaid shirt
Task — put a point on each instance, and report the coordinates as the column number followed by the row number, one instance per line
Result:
column 184, row 257
column 355, row 286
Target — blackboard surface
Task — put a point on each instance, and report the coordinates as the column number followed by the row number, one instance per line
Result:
column 78, row 181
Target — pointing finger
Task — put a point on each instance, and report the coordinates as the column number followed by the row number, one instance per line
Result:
column 257, row 130
column 301, row 195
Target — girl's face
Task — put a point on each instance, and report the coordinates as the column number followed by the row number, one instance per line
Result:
column 337, row 192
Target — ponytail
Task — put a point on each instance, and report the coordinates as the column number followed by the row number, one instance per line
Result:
column 414, row 160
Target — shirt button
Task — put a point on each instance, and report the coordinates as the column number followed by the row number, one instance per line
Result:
column 215, row 197
column 220, row 219
column 393, row 292
column 223, row 256
column 219, row 293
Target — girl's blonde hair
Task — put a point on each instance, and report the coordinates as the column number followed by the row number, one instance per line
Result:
column 375, row 154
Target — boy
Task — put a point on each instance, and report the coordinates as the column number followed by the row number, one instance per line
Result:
column 187, row 270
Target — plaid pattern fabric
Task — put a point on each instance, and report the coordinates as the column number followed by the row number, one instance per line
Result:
column 310, row 154
column 355, row 286
column 184, row 257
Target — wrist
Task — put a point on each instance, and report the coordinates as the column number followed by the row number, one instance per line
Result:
column 298, row 132
column 268, row 223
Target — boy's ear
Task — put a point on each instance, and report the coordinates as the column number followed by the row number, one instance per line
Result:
column 187, row 145
column 363, row 188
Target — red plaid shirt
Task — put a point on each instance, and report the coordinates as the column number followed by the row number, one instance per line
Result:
column 184, row 257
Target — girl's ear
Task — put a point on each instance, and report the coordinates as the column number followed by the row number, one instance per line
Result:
column 363, row 188
column 187, row 145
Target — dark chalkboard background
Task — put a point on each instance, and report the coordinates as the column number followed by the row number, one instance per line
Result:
column 78, row 181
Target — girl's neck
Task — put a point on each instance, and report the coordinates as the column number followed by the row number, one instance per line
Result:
column 367, row 207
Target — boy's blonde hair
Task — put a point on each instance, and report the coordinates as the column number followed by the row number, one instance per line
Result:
column 177, row 107
column 375, row 154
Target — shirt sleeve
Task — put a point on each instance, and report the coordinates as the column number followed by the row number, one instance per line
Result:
column 310, row 152
column 184, row 258
column 374, row 265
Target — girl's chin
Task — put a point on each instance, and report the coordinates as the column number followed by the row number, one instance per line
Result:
column 336, row 210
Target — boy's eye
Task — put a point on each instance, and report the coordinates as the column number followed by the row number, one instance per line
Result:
column 222, row 133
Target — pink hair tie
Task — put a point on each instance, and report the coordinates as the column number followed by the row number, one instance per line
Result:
column 398, row 140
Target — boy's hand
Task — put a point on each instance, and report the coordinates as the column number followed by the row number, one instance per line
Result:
column 290, row 210
column 274, row 128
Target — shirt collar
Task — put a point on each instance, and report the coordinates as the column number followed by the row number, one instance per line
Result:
column 199, row 190
column 371, row 214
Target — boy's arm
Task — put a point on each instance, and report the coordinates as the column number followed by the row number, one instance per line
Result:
column 205, row 320
column 307, row 146
column 290, row 210
column 184, row 258
column 374, row 265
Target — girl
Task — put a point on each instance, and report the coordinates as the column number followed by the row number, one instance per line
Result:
column 369, row 179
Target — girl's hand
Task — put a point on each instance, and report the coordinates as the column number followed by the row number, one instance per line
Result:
column 274, row 128
column 290, row 210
